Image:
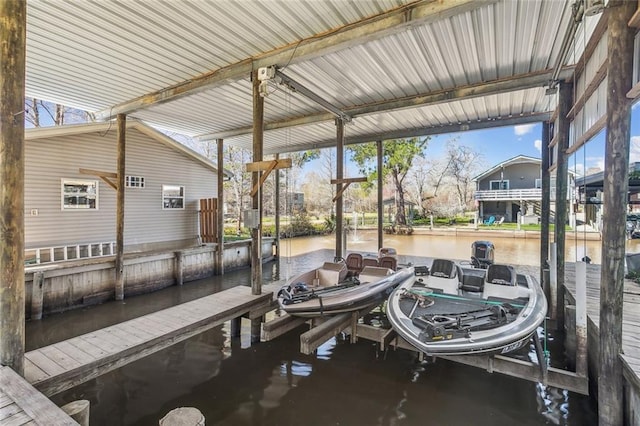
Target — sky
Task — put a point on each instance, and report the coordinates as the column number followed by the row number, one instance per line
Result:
column 502, row 143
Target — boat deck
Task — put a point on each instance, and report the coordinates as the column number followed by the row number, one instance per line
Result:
column 60, row 366
column 22, row 404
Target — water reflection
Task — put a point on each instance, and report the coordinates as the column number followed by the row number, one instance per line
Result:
column 272, row 383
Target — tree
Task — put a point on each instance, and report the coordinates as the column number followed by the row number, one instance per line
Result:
column 463, row 163
column 397, row 157
column 39, row 113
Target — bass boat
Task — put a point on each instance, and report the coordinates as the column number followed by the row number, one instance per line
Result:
column 329, row 290
column 448, row 310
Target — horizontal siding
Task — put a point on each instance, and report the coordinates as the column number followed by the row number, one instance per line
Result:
column 47, row 161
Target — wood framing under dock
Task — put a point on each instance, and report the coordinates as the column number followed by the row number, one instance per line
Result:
column 63, row 365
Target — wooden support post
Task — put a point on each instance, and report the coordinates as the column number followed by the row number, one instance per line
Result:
column 220, row 212
column 256, row 233
column 37, row 294
column 581, row 319
column 179, row 267
column 553, row 281
column 78, row 411
column 256, row 330
column 616, row 186
column 339, row 175
column 236, row 327
column 545, row 209
column 121, row 135
column 13, row 15
column 564, row 105
column 277, row 207
column 379, row 146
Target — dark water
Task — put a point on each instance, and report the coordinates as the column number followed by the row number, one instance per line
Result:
column 272, row 383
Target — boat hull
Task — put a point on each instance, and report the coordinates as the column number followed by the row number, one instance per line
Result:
column 349, row 299
column 501, row 325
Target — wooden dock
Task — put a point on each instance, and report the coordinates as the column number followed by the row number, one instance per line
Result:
column 630, row 321
column 22, row 404
column 60, row 366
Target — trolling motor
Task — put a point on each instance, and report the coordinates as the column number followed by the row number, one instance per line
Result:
column 482, row 254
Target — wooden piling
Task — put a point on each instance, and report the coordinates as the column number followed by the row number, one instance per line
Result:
column 121, row 136
column 220, row 210
column 179, row 267
column 13, row 15
column 78, row 411
column 37, row 295
column 339, row 176
column 616, row 185
column 562, row 143
column 256, row 233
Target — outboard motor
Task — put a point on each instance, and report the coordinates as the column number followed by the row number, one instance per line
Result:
column 482, row 254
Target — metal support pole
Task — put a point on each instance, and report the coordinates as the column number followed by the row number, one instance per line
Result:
column 277, row 208
column 553, row 281
column 545, row 209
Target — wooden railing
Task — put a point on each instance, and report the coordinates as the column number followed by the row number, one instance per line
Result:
column 68, row 252
column 509, row 194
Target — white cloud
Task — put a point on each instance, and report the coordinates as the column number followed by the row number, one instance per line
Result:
column 634, row 149
column 538, row 145
column 523, row 129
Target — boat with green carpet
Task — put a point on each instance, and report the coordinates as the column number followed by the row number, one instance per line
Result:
column 450, row 310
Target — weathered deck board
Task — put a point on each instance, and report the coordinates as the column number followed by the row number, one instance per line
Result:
column 630, row 315
column 62, row 365
column 21, row 404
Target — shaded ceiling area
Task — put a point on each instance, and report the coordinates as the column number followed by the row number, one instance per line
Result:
column 398, row 68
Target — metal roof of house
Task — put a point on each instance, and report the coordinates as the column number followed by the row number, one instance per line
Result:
column 398, row 67
column 518, row 159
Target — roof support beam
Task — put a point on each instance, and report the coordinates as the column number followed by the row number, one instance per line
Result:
column 519, row 82
column 425, row 131
column 399, row 19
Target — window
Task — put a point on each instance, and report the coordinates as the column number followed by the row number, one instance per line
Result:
column 498, row 184
column 79, row 194
column 134, row 182
column 538, row 183
column 172, row 197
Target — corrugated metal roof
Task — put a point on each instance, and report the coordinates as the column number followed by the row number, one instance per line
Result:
column 100, row 54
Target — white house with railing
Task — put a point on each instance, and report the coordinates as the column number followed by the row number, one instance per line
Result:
column 510, row 189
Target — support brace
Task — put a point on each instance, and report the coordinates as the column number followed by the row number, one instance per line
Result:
column 346, row 182
column 266, row 166
column 105, row 176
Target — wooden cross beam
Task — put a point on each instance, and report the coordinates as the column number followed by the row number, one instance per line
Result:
column 105, row 176
column 346, row 182
column 266, row 166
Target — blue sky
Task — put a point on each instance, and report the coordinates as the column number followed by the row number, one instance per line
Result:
column 502, row 143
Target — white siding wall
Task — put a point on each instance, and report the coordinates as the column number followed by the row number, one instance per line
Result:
column 51, row 159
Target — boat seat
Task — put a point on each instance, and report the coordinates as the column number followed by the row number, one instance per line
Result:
column 354, row 263
column 369, row 261
column 331, row 274
column 473, row 283
column 388, row 262
column 501, row 282
column 443, row 275
column 443, row 268
column 370, row 274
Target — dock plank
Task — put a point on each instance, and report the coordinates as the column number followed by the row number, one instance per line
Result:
column 29, row 404
column 62, row 365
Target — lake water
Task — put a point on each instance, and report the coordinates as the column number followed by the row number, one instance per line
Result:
column 271, row 383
